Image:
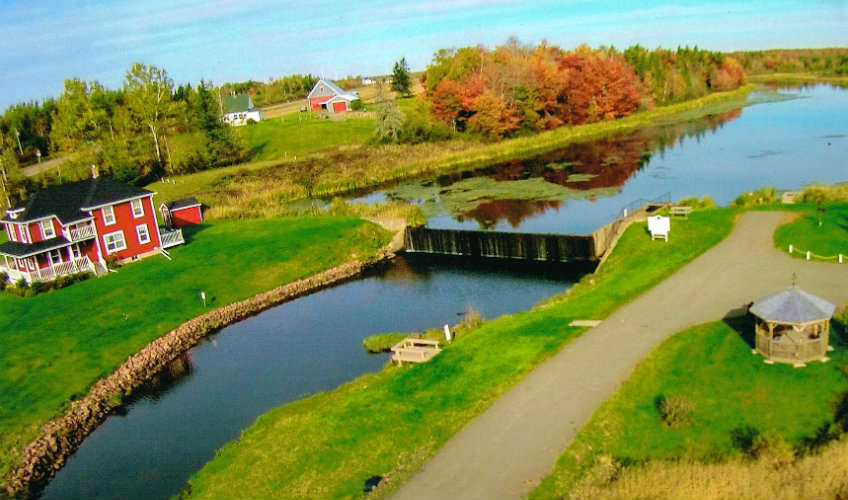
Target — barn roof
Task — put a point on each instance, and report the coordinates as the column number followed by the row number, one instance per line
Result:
column 71, row 202
column 184, row 203
column 792, row 305
column 349, row 96
column 236, row 104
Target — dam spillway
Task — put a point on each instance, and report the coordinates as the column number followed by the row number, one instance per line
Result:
column 501, row 245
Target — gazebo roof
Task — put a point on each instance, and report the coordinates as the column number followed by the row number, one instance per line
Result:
column 792, row 305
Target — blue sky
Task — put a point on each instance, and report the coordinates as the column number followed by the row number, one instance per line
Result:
column 45, row 42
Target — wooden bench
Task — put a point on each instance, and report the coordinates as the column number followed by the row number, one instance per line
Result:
column 412, row 350
column 681, row 211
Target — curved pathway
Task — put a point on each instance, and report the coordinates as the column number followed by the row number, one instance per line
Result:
column 506, row 450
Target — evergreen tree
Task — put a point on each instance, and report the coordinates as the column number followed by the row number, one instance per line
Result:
column 400, row 77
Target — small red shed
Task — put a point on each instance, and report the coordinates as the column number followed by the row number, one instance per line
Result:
column 182, row 212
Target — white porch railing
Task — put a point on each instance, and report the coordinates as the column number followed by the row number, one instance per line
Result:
column 81, row 233
column 47, row 274
column 172, row 238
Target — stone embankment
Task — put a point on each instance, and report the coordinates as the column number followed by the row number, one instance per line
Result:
column 62, row 436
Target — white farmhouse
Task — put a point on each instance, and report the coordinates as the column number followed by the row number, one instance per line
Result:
column 239, row 109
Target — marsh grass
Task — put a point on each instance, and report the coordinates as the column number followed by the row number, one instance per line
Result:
column 353, row 167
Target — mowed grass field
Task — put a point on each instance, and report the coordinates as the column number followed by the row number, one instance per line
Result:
column 55, row 345
column 300, row 133
column 735, row 398
column 389, row 423
column 804, row 234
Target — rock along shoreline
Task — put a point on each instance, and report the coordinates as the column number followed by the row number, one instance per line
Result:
column 60, row 437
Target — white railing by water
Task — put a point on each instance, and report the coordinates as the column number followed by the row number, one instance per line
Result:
column 172, row 238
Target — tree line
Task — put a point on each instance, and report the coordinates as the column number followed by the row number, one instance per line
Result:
column 287, row 88
column 517, row 88
column 828, row 62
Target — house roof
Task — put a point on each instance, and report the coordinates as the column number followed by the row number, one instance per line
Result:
column 792, row 305
column 181, row 204
column 236, row 104
column 71, row 202
column 335, row 89
column 18, row 249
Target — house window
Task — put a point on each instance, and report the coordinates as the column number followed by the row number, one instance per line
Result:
column 75, row 251
column 47, row 230
column 137, row 208
column 24, row 233
column 108, row 215
column 114, row 241
column 55, row 257
column 143, row 234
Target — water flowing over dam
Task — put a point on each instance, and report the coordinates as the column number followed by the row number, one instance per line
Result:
column 524, row 246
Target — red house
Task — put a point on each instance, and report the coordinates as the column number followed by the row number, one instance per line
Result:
column 326, row 95
column 75, row 227
column 182, row 212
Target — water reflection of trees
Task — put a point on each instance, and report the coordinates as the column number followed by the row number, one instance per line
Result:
column 604, row 163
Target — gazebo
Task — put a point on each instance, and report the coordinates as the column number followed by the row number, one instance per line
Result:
column 792, row 326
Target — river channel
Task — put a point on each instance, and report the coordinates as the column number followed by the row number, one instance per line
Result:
column 314, row 343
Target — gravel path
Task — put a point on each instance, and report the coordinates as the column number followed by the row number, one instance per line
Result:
column 504, row 452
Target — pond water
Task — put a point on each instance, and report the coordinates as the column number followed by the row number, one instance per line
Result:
column 314, row 343
column 787, row 144
column 298, row 348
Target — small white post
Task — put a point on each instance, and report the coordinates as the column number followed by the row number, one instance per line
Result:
column 447, row 333
column 625, row 212
column 808, row 255
column 840, row 258
column 790, row 248
column 203, row 296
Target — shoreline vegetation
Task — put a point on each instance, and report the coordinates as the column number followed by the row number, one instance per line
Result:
column 41, row 394
column 233, row 192
column 389, row 423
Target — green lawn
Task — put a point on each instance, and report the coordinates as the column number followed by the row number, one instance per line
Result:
column 828, row 240
column 55, row 345
column 389, row 423
column 300, row 133
column 734, row 393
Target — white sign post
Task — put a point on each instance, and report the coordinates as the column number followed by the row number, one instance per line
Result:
column 203, row 296
column 447, row 333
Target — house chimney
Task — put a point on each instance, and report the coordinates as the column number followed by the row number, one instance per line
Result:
column 93, row 171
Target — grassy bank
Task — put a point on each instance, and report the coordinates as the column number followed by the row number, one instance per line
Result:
column 300, row 133
column 57, row 344
column 389, row 423
column 825, row 241
column 367, row 166
column 738, row 403
column 798, row 79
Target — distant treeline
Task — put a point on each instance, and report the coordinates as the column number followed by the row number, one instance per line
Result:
column 287, row 88
column 516, row 88
column 828, row 62
column 143, row 130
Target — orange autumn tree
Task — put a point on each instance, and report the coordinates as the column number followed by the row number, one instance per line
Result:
column 513, row 88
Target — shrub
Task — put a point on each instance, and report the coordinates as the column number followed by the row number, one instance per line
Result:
column 762, row 196
column 356, row 105
column 824, row 193
column 675, row 411
column 705, row 202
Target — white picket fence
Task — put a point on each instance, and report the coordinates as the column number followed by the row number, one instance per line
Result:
column 841, row 258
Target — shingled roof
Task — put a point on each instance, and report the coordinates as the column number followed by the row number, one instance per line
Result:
column 792, row 305
column 184, row 203
column 71, row 202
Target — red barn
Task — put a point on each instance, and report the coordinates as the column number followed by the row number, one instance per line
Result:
column 75, row 227
column 328, row 96
column 182, row 212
